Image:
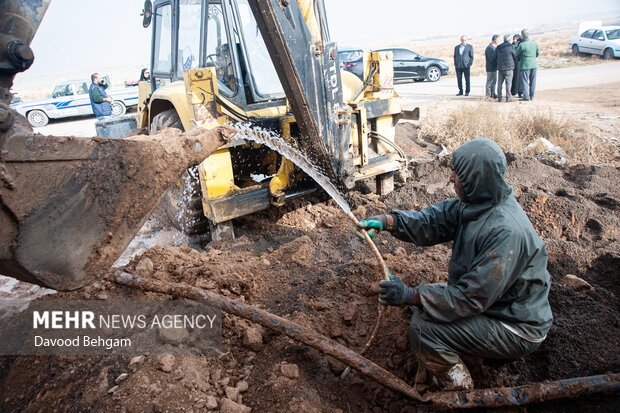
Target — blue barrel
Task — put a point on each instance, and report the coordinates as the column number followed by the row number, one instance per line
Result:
column 116, row 128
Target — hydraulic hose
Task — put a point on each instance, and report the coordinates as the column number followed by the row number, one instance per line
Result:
column 385, row 140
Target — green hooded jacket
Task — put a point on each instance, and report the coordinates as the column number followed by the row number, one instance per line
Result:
column 499, row 263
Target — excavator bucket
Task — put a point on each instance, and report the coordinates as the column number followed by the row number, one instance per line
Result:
column 70, row 206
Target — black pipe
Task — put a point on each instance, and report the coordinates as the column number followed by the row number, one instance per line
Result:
column 527, row 394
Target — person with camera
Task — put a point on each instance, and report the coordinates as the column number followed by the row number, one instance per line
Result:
column 99, row 100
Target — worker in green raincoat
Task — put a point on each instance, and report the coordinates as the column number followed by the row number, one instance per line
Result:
column 495, row 303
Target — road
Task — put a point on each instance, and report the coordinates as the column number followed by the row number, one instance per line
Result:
column 82, row 127
column 577, row 76
column 416, row 93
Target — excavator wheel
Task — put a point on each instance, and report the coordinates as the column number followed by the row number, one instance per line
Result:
column 183, row 202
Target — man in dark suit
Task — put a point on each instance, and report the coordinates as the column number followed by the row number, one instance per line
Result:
column 463, row 59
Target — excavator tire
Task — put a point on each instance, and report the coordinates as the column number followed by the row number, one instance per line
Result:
column 182, row 202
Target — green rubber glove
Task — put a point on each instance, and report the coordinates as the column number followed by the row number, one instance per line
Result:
column 374, row 225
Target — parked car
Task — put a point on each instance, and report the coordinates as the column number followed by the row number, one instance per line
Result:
column 407, row 64
column 71, row 99
column 410, row 65
column 351, row 60
column 603, row 41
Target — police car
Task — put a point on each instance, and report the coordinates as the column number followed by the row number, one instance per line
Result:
column 71, row 99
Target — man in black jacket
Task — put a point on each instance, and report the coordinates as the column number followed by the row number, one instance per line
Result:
column 506, row 64
column 463, row 59
column 517, row 85
column 491, row 66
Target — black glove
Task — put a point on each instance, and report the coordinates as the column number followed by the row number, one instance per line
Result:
column 395, row 292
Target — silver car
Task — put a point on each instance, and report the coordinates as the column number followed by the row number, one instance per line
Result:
column 71, row 98
column 604, row 41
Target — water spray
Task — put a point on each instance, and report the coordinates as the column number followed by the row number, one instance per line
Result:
column 276, row 143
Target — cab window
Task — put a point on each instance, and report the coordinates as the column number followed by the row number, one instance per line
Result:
column 219, row 52
column 189, row 36
column 261, row 72
column 162, row 62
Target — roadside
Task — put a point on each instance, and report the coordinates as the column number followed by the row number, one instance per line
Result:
column 554, row 51
column 583, row 121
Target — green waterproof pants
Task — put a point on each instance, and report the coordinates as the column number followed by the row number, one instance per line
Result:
column 439, row 345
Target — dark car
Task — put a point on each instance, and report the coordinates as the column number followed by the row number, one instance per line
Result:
column 351, row 60
column 410, row 65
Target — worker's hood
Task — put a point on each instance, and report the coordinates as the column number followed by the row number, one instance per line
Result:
column 481, row 165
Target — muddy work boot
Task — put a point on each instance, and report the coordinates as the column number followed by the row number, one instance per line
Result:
column 457, row 378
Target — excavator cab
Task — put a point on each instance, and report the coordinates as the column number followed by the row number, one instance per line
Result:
column 225, row 47
column 191, row 34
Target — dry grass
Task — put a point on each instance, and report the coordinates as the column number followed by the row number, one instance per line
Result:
column 516, row 129
column 554, row 52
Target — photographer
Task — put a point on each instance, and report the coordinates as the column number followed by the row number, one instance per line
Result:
column 99, row 100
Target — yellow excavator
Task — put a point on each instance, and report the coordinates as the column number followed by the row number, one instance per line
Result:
column 270, row 64
column 69, row 207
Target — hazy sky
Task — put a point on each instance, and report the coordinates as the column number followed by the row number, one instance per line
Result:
column 89, row 35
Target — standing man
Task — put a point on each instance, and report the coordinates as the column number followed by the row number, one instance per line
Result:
column 528, row 51
column 506, row 63
column 463, row 59
column 491, row 66
column 99, row 100
column 495, row 303
column 517, row 84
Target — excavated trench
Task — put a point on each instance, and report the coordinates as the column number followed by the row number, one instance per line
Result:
column 303, row 262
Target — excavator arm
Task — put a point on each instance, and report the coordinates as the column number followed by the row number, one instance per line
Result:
column 308, row 68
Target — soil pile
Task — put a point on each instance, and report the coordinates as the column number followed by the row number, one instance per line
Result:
column 303, row 262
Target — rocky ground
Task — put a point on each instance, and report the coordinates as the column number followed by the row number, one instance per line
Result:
column 303, row 262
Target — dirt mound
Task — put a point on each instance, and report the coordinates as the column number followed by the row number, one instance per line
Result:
column 303, row 262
